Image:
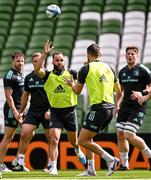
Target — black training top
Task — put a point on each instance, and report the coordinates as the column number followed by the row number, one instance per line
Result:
column 134, row 79
column 15, row 81
column 35, row 86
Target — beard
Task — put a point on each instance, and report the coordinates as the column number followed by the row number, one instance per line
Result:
column 59, row 69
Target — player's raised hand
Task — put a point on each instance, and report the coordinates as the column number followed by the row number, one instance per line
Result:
column 48, row 47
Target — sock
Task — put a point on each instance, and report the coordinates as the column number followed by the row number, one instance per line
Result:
column 77, row 151
column 124, row 159
column 147, row 152
column 107, row 157
column 49, row 162
column 21, row 158
column 91, row 165
column 54, row 164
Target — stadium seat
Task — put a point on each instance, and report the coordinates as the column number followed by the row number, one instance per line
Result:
column 48, row 2
column 27, row 2
column 69, row 2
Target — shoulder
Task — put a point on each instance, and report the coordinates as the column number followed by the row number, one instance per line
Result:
column 144, row 68
column 9, row 75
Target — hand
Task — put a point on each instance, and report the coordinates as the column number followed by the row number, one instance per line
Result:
column 20, row 118
column 141, row 100
column 135, row 95
column 68, row 81
column 115, row 112
column 47, row 115
column 48, row 47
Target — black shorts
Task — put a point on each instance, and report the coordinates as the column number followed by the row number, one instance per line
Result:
column 135, row 116
column 35, row 118
column 9, row 119
column 97, row 120
column 66, row 120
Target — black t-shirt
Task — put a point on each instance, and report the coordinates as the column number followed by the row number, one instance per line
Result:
column 135, row 79
column 35, row 86
column 15, row 81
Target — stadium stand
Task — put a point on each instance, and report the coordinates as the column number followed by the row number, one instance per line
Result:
column 113, row 24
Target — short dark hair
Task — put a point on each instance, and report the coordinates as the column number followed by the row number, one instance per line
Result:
column 134, row 48
column 35, row 54
column 17, row 54
column 94, row 50
column 56, row 53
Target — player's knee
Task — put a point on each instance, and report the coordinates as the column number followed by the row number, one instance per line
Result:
column 54, row 141
column 25, row 135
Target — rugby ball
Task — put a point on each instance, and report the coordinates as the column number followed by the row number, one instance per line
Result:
column 53, row 11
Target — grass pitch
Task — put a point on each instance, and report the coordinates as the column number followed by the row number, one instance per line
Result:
column 72, row 175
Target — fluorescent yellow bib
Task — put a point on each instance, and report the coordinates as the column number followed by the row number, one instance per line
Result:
column 100, row 83
column 59, row 94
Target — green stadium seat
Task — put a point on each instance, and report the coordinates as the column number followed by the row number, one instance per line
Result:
column 114, row 7
column 25, row 8
column 19, row 44
column 6, row 9
column 144, row 2
column 27, row 2
column 88, row 30
column 43, row 30
column 69, row 15
column 94, row 8
column 20, row 31
column 36, row 44
column 44, row 23
column 65, row 30
column 65, row 51
column 2, row 39
column 42, row 16
column 3, row 31
column 87, row 36
column 24, row 16
column 61, row 44
column 89, row 23
column 42, row 38
column 17, row 38
column 5, row 16
column 111, row 26
column 48, row 2
column 9, row 52
column 70, row 8
column 69, row 2
column 5, row 60
column 68, row 23
column 22, row 23
column 136, row 7
column 4, row 24
column 112, row 2
column 94, row 2
column 29, row 52
column 8, row 2
column 41, row 9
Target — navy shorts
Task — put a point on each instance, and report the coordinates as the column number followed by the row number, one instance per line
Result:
column 66, row 120
column 9, row 118
column 135, row 116
column 96, row 120
column 37, row 118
